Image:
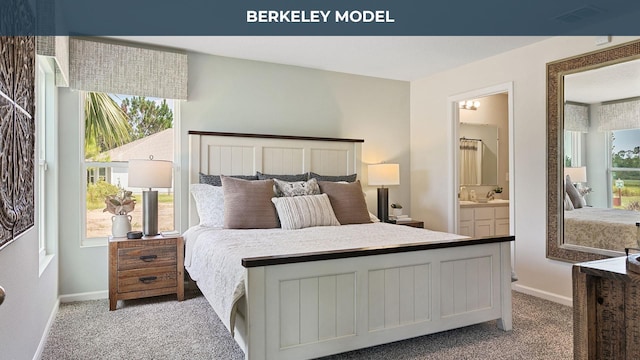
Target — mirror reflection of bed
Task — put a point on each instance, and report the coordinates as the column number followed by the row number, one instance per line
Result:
column 601, row 157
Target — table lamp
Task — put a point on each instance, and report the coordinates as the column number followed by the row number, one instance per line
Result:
column 149, row 173
column 384, row 174
column 578, row 175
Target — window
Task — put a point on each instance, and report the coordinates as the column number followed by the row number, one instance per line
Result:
column 573, row 148
column 625, row 169
column 148, row 131
column 46, row 183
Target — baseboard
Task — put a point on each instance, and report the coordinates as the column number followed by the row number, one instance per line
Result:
column 94, row 295
column 543, row 294
column 47, row 329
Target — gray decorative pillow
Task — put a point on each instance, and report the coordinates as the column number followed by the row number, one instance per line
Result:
column 290, row 178
column 568, row 205
column 215, row 179
column 347, row 201
column 296, row 188
column 209, row 203
column 576, row 199
column 305, row 211
column 247, row 204
column 348, row 178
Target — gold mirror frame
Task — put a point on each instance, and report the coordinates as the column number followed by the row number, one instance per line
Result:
column 555, row 163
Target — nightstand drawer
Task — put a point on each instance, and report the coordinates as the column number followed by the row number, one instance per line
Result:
column 146, row 279
column 140, row 257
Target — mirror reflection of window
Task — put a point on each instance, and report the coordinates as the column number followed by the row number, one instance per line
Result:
column 625, row 169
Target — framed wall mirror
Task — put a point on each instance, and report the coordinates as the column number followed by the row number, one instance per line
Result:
column 593, row 154
column 478, row 154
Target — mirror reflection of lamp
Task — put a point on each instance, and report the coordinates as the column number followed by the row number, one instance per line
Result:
column 578, row 175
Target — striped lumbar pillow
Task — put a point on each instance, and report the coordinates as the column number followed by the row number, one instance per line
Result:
column 305, row 211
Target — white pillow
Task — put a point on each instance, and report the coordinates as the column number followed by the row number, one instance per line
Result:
column 299, row 212
column 209, row 203
column 373, row 218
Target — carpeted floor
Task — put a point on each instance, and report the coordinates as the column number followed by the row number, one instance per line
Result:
column 162, row 328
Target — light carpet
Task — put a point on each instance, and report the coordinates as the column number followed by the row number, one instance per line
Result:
column 162, row 328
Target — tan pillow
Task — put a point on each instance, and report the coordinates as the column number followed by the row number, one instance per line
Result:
column 247, row 204
column 297, row 212
column 347, row 201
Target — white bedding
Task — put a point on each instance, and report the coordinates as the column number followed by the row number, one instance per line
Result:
column 213, row 256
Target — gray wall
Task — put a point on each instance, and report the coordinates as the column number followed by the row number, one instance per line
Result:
column 233, row 95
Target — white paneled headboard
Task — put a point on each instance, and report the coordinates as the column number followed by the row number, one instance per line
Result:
column 216, row 153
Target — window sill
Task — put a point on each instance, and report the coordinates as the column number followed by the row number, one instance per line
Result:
column 44, row 263
column 94, row 242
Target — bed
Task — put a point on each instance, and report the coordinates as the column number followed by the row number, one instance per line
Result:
column 321, row 290
column 602, row 228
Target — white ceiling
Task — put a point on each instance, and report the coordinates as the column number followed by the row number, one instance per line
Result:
column 614, row 82
column 391, row 57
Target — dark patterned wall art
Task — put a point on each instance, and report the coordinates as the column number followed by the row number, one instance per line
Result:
column 17, row 136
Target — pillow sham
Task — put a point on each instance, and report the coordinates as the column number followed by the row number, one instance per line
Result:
column 209, row 204
column 247, row 204
column 215, row 179
column 297, row 212
column 347, row 201
column 297, row 177
column 568, row 205
column 348, row 178
column 296, row 188
column 576, row 199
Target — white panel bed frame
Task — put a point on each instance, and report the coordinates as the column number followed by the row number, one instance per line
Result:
column 311, row 305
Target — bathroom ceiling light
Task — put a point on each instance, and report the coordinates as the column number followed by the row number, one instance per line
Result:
column 469, row 104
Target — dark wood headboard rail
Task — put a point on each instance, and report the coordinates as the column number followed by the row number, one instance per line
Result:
column 265, row 136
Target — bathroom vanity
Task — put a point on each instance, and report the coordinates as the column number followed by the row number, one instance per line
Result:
column 490, row 218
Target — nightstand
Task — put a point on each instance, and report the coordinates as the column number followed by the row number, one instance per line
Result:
column 412, row 223
column 145, row 267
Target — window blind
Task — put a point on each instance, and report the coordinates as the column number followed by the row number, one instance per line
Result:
column 576, row 117
column 120, row 68
column 56, row 48
column 620, row 115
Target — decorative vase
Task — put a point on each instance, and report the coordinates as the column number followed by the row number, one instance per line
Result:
column 121, row 225
column 396, row 212
column 497, row 196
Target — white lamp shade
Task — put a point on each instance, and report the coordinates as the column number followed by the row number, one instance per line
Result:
column 150, row 173
column 384, row 174
column 577, row 174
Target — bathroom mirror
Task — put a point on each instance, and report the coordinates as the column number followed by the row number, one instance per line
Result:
column 478, row 154
column 584, row 94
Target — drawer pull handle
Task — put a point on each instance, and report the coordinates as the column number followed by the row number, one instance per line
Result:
column 148, row 279
column 148, row 258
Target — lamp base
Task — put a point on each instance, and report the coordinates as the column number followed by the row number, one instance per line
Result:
column 150, row 212
column 383, row 204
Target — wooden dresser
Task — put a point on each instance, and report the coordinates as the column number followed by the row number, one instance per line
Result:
column 145, row 267
column 606, row 310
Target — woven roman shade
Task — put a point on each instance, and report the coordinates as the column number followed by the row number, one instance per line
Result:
column 56, row 48
column 576, row 117
column 120, row 68
column 620, row 115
